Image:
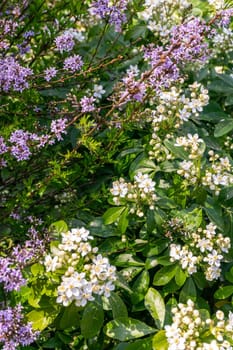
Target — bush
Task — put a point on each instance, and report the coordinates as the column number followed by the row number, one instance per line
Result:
column 116, row 175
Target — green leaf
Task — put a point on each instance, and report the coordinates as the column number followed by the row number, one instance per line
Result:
column 158, row 246
column 118, row 307
column 142, row 344
column 40, row 319
column 92, row 320
column 220, row 87
column 226, row 78
column 215, row 215
column 179, row 152
column 164, row 275
column 180, row 276
column 223, row 292
column 188, row 291
column 229, row 275
column 112, row 214
column 37, row 269
column 160, row 341
column 98, row 228
column 124, row 329
column 125, row 260
column 143, row 165
column 155, row 305
column 123, row 221
column 223, row 128
column 213, row 117
column 70, row 317
column 59, row 226
column 166, row 203
column 140, row 287
column 137, row 31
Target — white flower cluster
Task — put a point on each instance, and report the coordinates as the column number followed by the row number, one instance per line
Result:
column 86, row 272
column 174, row 108
column 204, row 249
column 189, row 325
column 137, row 194
column 218, row 174
column 192, row 144
column 162, row 15
column 223, row 41
column 190, row 169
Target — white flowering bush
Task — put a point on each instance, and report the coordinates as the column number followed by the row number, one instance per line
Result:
column 116, row 174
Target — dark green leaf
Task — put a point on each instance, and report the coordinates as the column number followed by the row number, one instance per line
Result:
column 92, row 320
column 118, row 307
column 188, row 291
column 223, row 127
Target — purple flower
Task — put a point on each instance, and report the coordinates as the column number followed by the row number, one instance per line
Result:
column 73, row 63
column 23, row 47
column 28, row 34
column 225, row 17
column 12, row 75
column 187, row 45
column 134, row 89
column 87, row 104
column 13, row 330
column 50, row 73
column 114, row 13
column 11, row 276
column 65, row 41
column 58, row 127
column 3, row 146
column 20, row 149
column 11, row 267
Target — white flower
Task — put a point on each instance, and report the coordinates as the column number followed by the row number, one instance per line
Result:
column 52, row 264
column 204, row 244
column 98, row 91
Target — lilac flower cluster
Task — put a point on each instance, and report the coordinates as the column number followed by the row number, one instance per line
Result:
column 115, row 12
column 8, row 28
column 25, row 46
column 11, row 276
column 21, row 143
column 13, row 330
column 225, row 17
column 58, row 127
column 187, row 45
column 50, row 73
column 73, row 63
column 12, row 267
column 87, row 104
column 65, row 42
column 13, row 75
column 134, row 89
